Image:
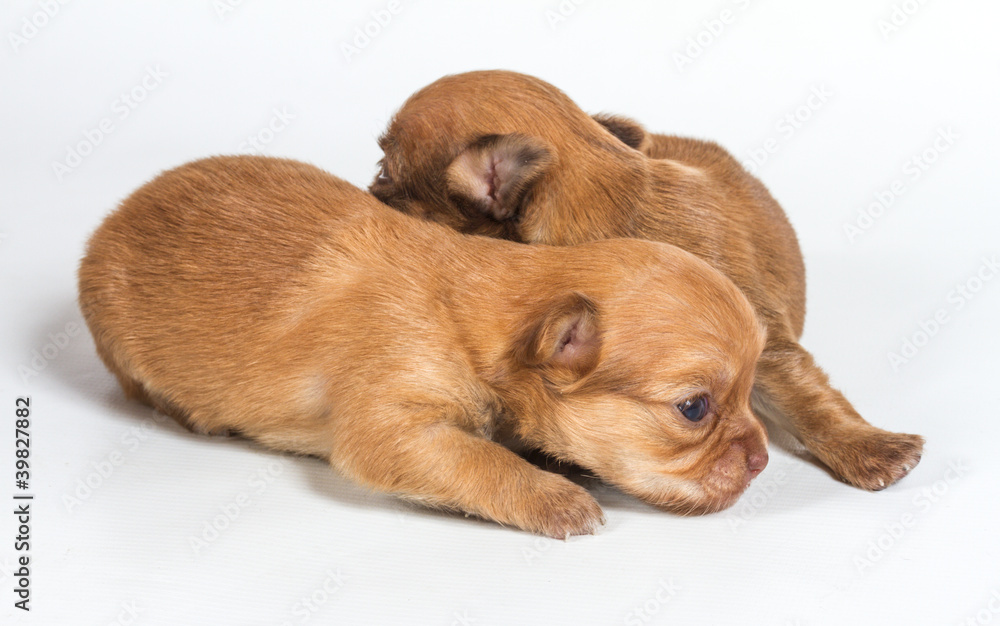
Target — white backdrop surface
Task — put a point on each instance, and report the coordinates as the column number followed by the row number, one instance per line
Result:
column 873, row 123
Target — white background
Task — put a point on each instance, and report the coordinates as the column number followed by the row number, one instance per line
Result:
column 800, row 548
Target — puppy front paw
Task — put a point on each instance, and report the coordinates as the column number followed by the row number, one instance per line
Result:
column 875, row 459
column 565, row 509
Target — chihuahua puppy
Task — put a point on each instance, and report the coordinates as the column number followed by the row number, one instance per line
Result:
column 510, row 156
column 267, row 297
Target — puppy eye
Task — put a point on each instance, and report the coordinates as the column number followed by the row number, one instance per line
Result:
column 694, row 409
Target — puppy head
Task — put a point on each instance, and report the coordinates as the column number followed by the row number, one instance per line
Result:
column 648, row 383
column 479, row 151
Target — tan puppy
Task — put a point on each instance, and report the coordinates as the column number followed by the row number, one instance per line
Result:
column 508, row 155
column 267, row 297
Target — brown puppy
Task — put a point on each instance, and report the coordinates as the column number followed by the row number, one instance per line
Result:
column 268, row 297
column 508, row 155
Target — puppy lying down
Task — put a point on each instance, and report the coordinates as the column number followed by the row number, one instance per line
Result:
column 508, row 155
column 268, row 297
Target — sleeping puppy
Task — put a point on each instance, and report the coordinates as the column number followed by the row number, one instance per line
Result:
column 270, row 298
column 510, row 156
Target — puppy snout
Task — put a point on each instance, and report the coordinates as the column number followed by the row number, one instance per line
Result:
column 756, row 462
column 749, row 459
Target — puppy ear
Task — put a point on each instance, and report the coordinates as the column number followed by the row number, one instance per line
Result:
column 495, row 171
column 631, row 133
column 564, row 344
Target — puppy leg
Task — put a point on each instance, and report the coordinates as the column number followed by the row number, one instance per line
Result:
column 441, row 465
column 793, row 391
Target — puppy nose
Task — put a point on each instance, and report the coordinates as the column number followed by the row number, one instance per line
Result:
column 756, row 463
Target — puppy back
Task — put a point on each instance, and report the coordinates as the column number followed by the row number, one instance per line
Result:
column 201, row 255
